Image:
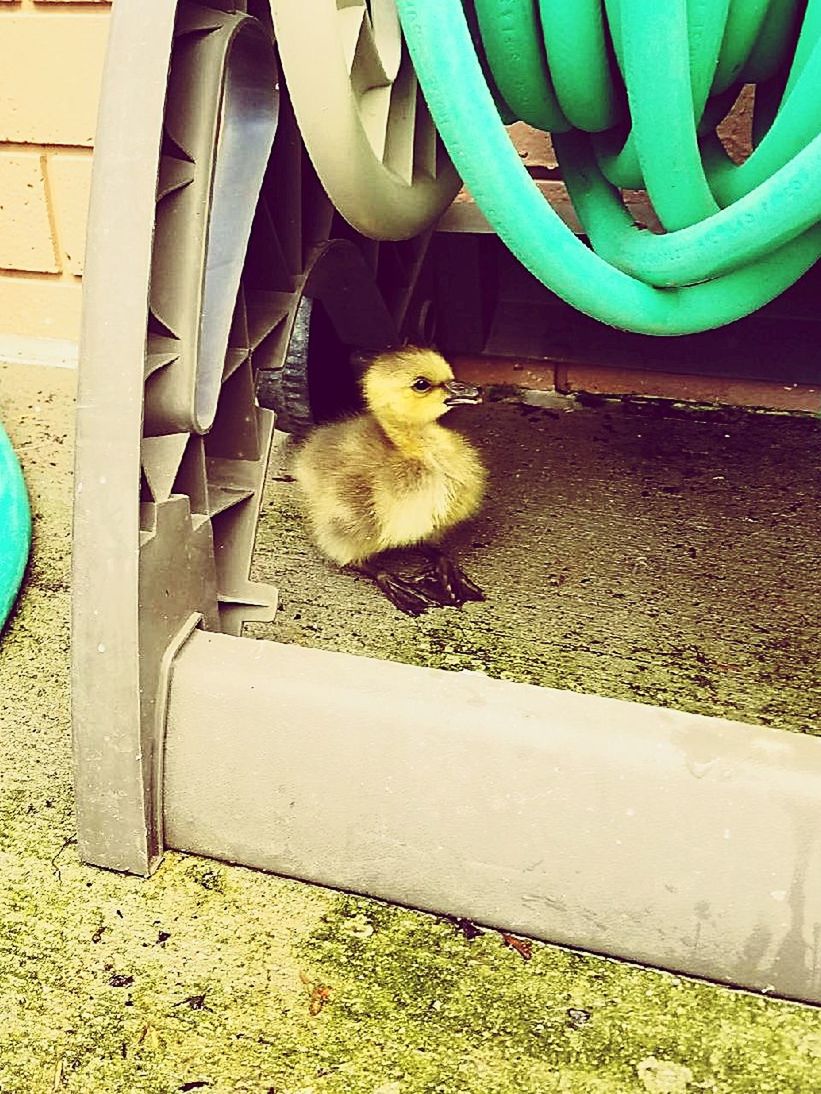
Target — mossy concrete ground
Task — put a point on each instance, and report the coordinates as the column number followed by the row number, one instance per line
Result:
column 217, row 978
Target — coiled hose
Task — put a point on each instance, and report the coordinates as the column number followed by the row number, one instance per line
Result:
column 632, row 92
column 15, row 526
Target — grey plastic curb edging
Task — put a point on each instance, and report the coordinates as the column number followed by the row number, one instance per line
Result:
column 671, row 839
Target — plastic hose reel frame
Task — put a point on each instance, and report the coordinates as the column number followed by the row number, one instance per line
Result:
column 165, row 512
column 600, row 824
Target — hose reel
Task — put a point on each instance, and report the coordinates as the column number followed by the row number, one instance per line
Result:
column 632, row 92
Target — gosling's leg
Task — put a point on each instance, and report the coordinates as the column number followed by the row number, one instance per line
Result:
column 408, row 596
column 445, row 578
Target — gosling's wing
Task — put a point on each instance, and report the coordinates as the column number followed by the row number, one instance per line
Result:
column 335, row 469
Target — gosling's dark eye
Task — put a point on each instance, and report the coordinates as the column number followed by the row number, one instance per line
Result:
column 421, row 384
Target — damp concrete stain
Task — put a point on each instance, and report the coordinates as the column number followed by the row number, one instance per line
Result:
column 212, row 977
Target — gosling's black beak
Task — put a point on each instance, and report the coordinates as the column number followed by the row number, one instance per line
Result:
column 459, row 393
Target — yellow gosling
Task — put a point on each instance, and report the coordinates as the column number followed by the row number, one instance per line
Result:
column 393, row 476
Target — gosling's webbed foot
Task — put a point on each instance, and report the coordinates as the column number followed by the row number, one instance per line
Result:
column 449, row 584
column 443, row 585
column 404, row 594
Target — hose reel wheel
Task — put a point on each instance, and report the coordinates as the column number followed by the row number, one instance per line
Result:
column 214, row 154
column 362, row 116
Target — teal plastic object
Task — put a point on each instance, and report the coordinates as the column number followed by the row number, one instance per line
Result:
column 15, row 526
column 713, row 270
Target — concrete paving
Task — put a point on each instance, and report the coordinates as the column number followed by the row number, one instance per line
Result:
column 641, row 551
column 657, row 554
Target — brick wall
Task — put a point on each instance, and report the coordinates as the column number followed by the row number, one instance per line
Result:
column 51, row 57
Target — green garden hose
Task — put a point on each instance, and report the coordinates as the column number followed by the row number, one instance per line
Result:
column 512, row 29
column 744, row 24
column 632, row 96
column 807, row 39
column 754, row 227
column 705, row 26
column 15, row 526
column 661, row 106
column 576, row 46
column 795, row 125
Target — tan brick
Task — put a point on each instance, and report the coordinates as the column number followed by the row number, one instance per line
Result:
column 25, row 232
column 70, row 178
column 533, row 145
column 50, row 74
column 39, row 308
column 735, row 130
